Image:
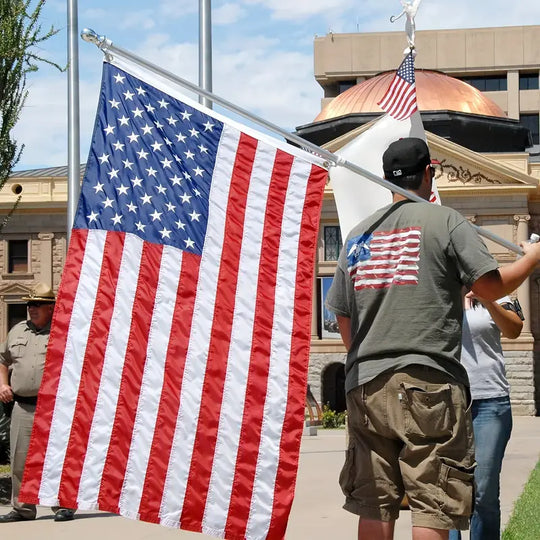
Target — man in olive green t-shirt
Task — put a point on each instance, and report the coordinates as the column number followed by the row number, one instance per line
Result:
column 397, row 297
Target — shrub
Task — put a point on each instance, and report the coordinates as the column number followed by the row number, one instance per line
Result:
column 332, row 419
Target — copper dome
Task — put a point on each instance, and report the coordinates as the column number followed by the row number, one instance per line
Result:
column 435, row 91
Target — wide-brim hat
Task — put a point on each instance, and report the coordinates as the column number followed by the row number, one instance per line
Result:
column 41, row 293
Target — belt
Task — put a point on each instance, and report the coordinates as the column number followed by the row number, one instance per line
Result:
column 27, row 400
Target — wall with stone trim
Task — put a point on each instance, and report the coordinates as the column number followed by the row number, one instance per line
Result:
column 520, row 375
column 47, row 247
column 318, row 362
column 520, row 367
column 58, row 258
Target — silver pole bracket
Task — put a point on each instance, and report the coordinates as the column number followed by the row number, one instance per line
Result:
column 101, row 42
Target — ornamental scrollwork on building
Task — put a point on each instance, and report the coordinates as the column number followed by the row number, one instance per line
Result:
column 465, row 176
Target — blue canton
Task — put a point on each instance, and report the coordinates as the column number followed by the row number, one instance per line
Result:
column 150, row 165
column 406, row 69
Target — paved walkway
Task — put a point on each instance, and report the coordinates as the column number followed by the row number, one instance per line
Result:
column 316, row 512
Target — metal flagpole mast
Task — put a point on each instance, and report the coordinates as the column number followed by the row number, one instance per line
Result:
column 74, row 164
column 108, row 48
column 205, row 50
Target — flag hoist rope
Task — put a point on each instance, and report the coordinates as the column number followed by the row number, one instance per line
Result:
column 109, row 49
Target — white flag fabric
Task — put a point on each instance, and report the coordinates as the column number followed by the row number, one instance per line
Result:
column 357, row 197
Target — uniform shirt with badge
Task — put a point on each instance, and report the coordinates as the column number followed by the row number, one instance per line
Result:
column 25, row 350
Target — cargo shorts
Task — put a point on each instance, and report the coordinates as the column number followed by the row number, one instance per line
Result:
column 410, row 432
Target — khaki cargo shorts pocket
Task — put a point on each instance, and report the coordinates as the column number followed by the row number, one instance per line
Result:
column 428, row 412
column 456, row 486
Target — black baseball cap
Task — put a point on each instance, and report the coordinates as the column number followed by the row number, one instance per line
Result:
column 405, row 157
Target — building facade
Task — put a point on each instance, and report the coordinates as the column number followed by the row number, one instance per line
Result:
column 495, row 190
column 487, row 169
column 503, row 63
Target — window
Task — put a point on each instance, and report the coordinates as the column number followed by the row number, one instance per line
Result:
column 493, row 83
column 343, row 86
column 16, row 314
column 332, row 242
column 17, row 256
column 532, row 123
column 528, row 81
column 328, row 320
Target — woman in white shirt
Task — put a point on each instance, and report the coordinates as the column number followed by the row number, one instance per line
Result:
column 482, row 356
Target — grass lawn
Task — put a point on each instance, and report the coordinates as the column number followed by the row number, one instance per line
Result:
column 4, row 469
column 524, row 523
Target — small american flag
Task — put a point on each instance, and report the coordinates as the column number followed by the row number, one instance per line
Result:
column 384, row 258
column 176, row 369
column 400, row 98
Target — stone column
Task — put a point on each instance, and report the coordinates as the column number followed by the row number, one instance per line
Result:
column 46, row 257
column 513, row 94
column 524, row 290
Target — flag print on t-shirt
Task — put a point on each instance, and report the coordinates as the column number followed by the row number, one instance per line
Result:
column 384, row 258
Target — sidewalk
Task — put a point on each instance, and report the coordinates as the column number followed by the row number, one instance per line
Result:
column 316, row 512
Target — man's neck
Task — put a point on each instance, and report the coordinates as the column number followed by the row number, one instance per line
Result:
column 396, row 197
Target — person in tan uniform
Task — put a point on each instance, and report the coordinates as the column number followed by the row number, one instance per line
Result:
column 24, row 352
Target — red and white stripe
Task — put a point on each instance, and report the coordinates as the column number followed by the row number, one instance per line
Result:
column 174, row 385
column 393, row 261
column 400, row 99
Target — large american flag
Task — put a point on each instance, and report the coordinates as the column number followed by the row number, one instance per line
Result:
column 176, row 369
column 400, row 98
column 384, row 258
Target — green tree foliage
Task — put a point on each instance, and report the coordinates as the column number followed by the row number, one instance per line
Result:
column 20, row 33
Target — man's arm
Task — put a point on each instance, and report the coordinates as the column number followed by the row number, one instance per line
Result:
column 507, row 321
column 499, row 283
column 6, row 395
column 344, row 324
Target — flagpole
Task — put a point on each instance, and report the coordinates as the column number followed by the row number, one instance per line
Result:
column 109, row 49
column 205, row 50
column 74, row 165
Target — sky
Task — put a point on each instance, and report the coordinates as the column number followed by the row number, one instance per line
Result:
column 262, row 53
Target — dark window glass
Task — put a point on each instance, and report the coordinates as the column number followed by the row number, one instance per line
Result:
column 345, row 85
column 332, row 243
column 528, row 81
column 494, row 83
column 531, row 122
column 17, row 256
column 478, row 83
column 16, row 314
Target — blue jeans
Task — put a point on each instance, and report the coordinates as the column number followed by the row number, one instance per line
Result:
column 492, row 424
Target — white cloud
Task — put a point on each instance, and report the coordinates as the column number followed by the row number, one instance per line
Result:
column 228, row 14
column 95, row 14
column 177, row 8
column 466, row 14
column 178, row 58
column 287, row 10
column 43, row 123
column 284, row 92
column 138, row 20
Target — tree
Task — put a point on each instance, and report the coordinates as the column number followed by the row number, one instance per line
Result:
column 20, row 33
